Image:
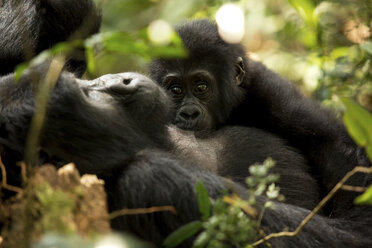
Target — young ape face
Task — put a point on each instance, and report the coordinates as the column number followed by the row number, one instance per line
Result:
column 206, row 85
column 194, row 93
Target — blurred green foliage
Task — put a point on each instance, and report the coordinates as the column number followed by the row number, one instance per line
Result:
column 132, row 18
column 365, row 198
column 323, row 46
column 231, row 221
column 55, row 208
column 358, row 122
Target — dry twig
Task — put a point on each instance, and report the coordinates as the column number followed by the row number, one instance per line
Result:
column 321, row 204
column 134, row 211
column 23, row 171
column 4, row 183
column 354, row 188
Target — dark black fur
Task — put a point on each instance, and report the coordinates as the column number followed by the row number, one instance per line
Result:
column 115, row 127
column 264, row 100
column 28, row 27
column 31, row 26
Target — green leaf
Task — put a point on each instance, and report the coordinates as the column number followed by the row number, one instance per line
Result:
column 369, row 151
column 65, row 47
column 91, row 61
column 18, row 72
column 305, row 8
column 367, row 47
column 340, row 52
column 123, row 43
column 62, row 47
column 358, row 122
column 40, row 58
column 183, row 233
column 201, row 240
column 203, row 200
column 355, row 129
column 141, row 45
column 365, row 198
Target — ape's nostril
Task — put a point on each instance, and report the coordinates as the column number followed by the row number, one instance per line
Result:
column 195, row 115
column 184, row 115
column 190, row 114
column 127, row 81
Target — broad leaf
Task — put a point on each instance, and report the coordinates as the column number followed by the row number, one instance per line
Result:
column 91, row 61
column 140, row 44
column 305, row 8
column 365, row 198
column 18, row 72
column 183, row 233
column 203, row 200
column 358, row 122
column 355, row 130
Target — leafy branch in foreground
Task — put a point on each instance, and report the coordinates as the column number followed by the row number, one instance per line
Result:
column 317, row 208
column 358, row 122
column 235, row 221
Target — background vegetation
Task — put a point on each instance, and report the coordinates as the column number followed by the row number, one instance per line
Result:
column 323, row 46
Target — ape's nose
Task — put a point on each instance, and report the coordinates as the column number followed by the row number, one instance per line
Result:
column 189, row 113
column 127, row 81
column 121, row 83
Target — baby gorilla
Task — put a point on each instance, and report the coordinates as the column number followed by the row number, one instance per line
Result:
column 218, row 86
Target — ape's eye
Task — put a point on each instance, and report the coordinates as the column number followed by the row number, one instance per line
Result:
column 201, row 88
column 176, row 90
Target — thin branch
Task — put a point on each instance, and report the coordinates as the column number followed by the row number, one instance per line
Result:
column 134, row 211
column 318, row 207
column 260, row 231
column 4, row 183
column 354, row 188
column 23, row 171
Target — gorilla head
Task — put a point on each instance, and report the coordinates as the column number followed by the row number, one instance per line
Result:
column 98, row 124
column 135, row 96
column 206, row 85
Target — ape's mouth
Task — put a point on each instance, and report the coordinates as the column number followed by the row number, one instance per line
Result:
column 186, row 125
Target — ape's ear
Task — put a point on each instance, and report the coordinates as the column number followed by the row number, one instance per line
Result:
column 239, row 71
